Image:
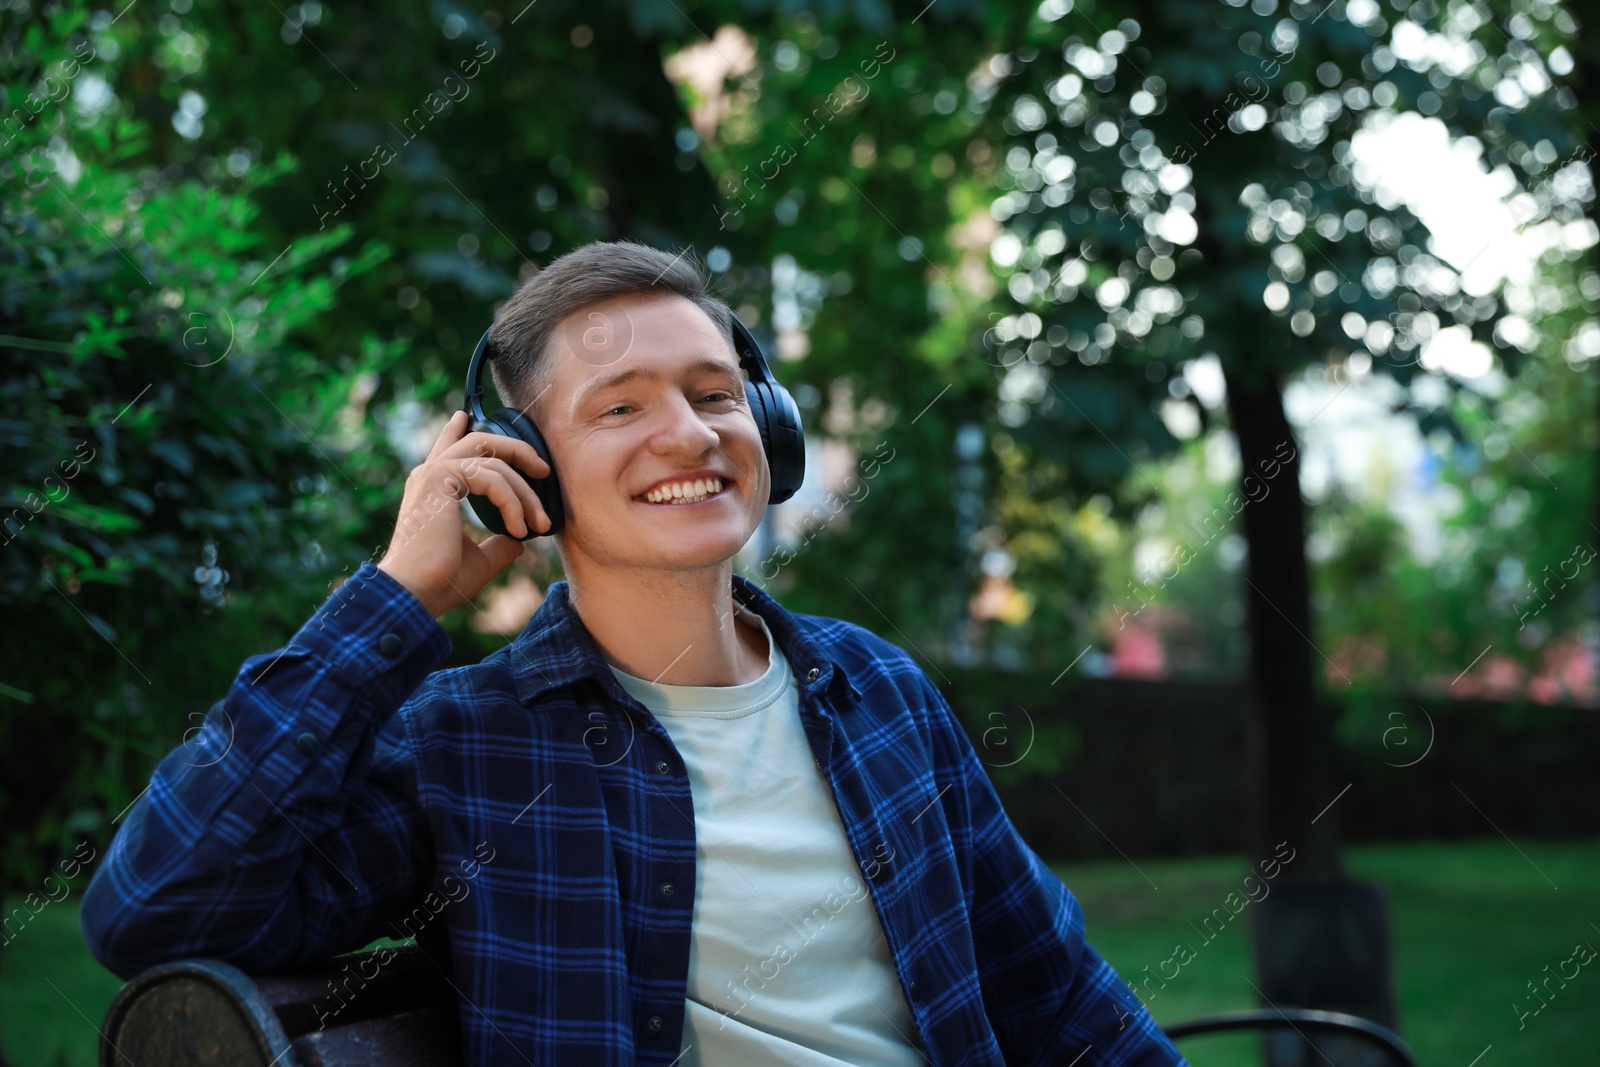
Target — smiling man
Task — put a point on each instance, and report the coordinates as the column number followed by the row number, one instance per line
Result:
column 672, row 822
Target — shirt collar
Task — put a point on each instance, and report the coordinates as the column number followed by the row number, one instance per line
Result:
column 555, row 649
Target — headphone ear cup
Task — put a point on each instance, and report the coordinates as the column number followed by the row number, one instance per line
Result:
column 778, row 419
column 509, row 422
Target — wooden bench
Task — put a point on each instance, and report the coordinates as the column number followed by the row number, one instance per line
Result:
column 393, row 1008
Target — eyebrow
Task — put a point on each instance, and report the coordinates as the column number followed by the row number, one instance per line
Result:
column 699, row 366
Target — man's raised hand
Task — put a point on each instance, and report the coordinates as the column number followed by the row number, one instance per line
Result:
column 431, row 554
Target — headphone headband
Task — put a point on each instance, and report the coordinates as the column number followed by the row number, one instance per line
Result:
column 474, row 379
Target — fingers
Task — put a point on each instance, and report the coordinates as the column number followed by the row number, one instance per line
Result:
column 483, row 444
column 508, row 491
column 497, row 488
column 532, row 507
column 452, row 432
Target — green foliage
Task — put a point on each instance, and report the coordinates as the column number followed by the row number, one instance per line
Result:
column 166, row 435
column 1517, row 570
column 1008, row 718
column 1185, row 584
column 1180, row 185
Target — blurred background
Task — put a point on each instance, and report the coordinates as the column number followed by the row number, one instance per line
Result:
column 1203, row 391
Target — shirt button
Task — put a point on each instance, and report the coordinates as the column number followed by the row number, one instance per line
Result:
column 655, row 1022
column 390, row 645
column 912, row 989
column 307, row 744
column 662, row 766
column 811, row 675
column 667, row 889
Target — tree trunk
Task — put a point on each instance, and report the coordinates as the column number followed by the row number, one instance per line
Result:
column 1292, row 730
column 3, row 1061
column 1588, row 62
column 1319, row 940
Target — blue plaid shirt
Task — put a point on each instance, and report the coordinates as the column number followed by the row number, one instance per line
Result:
column 539, row 815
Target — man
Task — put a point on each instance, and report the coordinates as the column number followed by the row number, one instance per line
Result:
column 672, row 822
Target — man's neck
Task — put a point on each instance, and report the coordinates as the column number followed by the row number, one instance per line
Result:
column 671, row 629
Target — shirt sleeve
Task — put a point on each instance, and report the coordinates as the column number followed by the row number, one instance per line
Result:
column 1050, row 996
column 286, row 828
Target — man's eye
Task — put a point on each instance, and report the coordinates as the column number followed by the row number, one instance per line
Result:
column 720, row 396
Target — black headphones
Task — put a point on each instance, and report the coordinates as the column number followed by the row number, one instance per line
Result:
column 776, row 414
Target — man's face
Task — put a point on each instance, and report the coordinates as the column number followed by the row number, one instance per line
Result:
column 645, row 391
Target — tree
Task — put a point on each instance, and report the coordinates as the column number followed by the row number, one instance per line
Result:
column 1191, row 166
column 1586, row 52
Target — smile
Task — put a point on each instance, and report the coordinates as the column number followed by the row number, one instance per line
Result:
column 679, row 493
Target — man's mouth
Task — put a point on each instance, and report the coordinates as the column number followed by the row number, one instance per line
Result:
column 680, row 493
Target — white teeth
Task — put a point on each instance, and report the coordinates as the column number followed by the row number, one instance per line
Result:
column 685, row 492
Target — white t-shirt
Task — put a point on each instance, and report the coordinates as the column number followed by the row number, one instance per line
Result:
column 787, row 959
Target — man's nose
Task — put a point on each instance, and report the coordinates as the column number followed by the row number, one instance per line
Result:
column 683, row 429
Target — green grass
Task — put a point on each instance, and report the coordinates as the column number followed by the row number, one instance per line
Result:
column 1472, row 924
column 53, row 995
